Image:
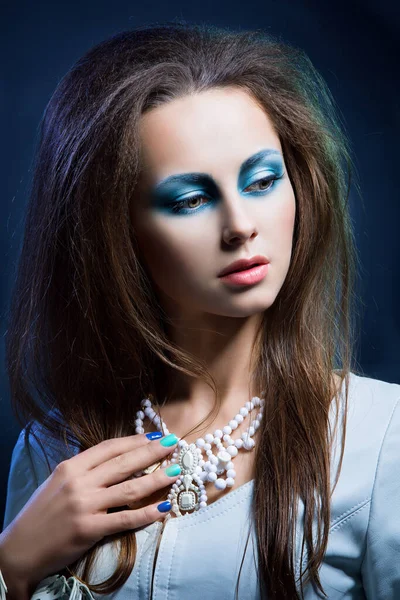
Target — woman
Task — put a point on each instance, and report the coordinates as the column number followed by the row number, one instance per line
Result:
column 168, row 154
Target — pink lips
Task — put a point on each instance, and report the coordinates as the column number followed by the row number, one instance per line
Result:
column 244, row 263
column 248, row 276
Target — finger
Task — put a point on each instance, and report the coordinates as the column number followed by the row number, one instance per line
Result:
column 131, row 490
column 125, row 520
column 123, row 466
column 105, row 450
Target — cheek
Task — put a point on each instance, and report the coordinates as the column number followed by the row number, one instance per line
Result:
column 286, row 219
column 281, row 220
column 167, row 250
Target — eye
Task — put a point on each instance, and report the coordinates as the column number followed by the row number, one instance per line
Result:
column 189, row 205
column 265, row 183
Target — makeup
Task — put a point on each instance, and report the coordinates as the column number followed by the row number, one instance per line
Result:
column 247, row 277
column 189, row 193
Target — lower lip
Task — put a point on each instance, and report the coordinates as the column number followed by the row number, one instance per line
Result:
column 247, row 277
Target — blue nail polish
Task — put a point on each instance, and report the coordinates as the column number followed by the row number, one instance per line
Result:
column 154, row 435
column 164, row 506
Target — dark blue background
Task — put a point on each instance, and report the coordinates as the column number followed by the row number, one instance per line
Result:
column 355, row 47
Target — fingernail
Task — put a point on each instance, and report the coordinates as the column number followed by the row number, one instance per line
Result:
column 164, row 506
column 169, row 440
column 172, row 470
column 154, row 435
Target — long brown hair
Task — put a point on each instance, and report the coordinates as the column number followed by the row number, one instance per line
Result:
column 87, row 341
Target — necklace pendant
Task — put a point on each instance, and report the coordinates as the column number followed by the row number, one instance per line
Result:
column 188, row 493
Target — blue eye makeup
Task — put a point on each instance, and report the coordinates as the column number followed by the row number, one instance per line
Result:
column 258, row 176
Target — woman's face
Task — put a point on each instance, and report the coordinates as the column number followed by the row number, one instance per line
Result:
column 230, row 198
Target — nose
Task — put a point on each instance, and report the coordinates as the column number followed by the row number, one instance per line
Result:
column 238, row 226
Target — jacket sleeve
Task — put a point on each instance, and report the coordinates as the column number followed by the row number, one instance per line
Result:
column 380, row 568
column 28, row 470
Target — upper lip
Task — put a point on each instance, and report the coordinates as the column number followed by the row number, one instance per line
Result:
column 244, row 263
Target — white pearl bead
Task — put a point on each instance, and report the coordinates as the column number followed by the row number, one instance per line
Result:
column 238, row 443
column 203, row 498
column 200, row 442
column 213, row 460
column 203, row 504
column 227, row 437
column 227, row 429
column 251, row 430
column 212, row 476
column 247, row 405
column 148, row 410
column 207, row 447
column 209, row 438
column 212, row 468
column 139, row 430
column 244, row 412
column 218, row 433
column 239, row 418
column 257, row 423
column 198, row 470
column 217, row 440
column 146, row 402
column 224, row 456
column 233, row 424
column 139, row 422
column 181, row 443
column 229, row 465
column 231, row 473
column 232, row 450
column 140, row 414
column 249, row 444
column 220, row 484
column 229, row 481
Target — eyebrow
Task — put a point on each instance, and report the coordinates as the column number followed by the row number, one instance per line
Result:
column 205, row 177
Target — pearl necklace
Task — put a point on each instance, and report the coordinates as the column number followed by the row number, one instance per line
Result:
column 188, row 492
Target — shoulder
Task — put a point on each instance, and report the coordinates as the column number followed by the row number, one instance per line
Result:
column 372, row 405
column 34, row 457
column 373, row 425
column 44, row 449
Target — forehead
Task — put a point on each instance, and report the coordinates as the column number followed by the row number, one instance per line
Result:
column 218, row 127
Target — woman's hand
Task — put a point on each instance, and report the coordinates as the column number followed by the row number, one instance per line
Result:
column 67, row 514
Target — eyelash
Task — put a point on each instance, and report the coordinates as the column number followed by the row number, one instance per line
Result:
column 177, row 207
